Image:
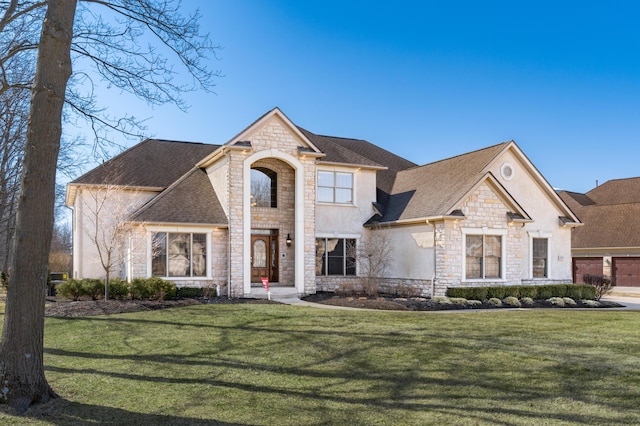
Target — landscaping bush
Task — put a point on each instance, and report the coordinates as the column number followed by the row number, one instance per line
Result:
column 93, row 288
column 581, row 291
column 526, row 301
column 474, row 293
column 139, row 289
column 601, row 284
column 530, row 291
column 556, row 301
column 189, row 292
column 498, row 292
column 535, row 292
column 159, row 289
column 569, row 301
column 495, row 302
column 118, row 289
column 511, row 301
column 71, row 289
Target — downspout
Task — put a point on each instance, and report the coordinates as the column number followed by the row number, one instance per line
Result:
column 435, row 264
column 228, row 230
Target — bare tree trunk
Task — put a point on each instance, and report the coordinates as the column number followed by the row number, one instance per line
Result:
column 21, row 352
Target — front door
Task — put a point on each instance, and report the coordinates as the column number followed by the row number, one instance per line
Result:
column 264, row 257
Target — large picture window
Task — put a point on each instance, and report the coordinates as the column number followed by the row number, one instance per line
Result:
column 540, row 251
column 335, row 187
column 179, row 255
column 483, row 256
column 335, row 256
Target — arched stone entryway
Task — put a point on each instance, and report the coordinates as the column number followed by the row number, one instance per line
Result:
column 275, row 224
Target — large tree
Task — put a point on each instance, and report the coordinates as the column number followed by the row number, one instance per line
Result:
column 104, row 43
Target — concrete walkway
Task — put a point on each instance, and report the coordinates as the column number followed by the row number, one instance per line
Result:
column 627, row 296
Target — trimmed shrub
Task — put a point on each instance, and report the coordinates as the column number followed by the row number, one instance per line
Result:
column 93, row 288
column 189, row 292
column 458, row 300
column 495, row 302
column 159, row 289
column 118, row 289
column 569, row 301
column 71, row 289
column 511, row 301
column 498, row 292
column 530, row 291
column 526, row 301
column 556, row 301
column 474, row 303
column 139, row 289
column 469, row 293
column 545, row 292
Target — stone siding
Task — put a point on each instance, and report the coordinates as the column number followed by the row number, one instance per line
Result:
column 400, row 286
column 483, row 210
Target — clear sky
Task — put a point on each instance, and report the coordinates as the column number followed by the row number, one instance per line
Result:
column 428, row 80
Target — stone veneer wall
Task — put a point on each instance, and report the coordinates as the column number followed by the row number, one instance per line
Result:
column 281, row 217
column 276, row 136
column 387, row 285
column 483, row 209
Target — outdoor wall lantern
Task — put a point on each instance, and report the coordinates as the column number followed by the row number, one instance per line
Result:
column 288, row 241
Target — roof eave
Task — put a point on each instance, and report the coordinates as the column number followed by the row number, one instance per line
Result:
column 358, row 166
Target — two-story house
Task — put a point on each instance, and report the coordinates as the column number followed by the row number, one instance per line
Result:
column 282, row 203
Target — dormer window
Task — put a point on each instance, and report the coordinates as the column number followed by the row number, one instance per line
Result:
column 335, row 187
column 264, row 187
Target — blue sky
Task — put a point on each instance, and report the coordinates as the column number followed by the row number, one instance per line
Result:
column 427, row 79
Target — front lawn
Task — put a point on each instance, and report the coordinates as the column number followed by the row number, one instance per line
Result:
column 284, row 365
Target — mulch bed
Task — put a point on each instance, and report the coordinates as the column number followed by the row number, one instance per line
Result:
column 83, row 308
column 423, row 304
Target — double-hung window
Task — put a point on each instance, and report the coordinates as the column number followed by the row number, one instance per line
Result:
column 335, row 187
column 179, row 254
column 483, row 256
column 335, row 256
column 540, row 257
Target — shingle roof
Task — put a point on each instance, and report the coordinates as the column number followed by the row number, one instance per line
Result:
column 435, row 188
column 359, row 151
column 617, row 191
column 151, row 163
column 191, row 199
column 613, row 225
column 610, row 213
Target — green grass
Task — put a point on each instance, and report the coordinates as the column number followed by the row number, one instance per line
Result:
column 283, row 365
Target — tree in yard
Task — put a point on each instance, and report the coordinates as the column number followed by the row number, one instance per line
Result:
column 373, row 257
column 104, row 38
column 105, row 214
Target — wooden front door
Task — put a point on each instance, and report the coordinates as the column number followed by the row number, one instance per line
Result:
column 264, row 257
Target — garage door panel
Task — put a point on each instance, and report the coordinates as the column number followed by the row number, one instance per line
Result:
column 626, row 271
column 586, row 265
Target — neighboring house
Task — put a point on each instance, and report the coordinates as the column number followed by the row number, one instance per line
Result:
column 609, row 242
column 282, row 203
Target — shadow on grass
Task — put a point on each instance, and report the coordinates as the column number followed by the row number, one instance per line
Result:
column 62, row 412
column 458, row 374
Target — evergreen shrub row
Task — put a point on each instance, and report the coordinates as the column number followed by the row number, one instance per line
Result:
column 535, row 292
column 140, row 288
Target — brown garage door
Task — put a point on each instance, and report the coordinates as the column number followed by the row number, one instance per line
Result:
column 626, row 271
column 586, row 265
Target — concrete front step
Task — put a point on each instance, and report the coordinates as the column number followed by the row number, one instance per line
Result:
column 277, row 293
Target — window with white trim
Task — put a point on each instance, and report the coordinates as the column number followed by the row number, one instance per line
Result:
column 540, row 259
column 179, row 254
column 335, row 256
column 335, row 187
column 483, row 256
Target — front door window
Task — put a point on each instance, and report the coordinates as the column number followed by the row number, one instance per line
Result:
column 264, row 256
